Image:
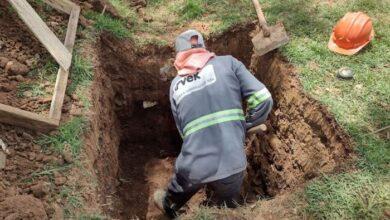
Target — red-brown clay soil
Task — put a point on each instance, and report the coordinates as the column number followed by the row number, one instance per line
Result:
column 22, row 207
column 21, row 56
column 33, row 176
column 24, row 175
column 133, row 147
column 302, row 140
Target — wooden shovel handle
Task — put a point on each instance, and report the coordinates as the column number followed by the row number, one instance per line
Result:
column 262, row 21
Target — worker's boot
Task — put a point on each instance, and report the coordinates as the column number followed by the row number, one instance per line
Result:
column 159, row 197
column 163, row 204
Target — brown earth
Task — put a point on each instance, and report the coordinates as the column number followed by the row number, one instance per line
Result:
column 34, row 176
column 302, row 141
column 131, row 147
column 22, row 207
column 22, row 57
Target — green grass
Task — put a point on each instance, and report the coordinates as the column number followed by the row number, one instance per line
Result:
column 191, row 9
column 91, row 217
column 49, row 170
column 35, row 88
column 124, row 9
column 203, row 213
column 104, row 22
column 81, row 73
column 360, row 105
column 349, row 196
column 46, row 73
column 73, row 201
column 170, row 15
column 69, row 136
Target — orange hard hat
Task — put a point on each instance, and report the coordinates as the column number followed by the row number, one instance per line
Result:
column 351, row 33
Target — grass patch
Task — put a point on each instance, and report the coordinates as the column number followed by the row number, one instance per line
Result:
column 360, row 105
column 81, row 73
column 69, row 136
column 203, row 213
column 349, row 196
column 36, row 89
column 91, row 217
column 124, row 9
column 103, row 22
column 47, row 72
column 170, row 15
column 191, row 9
column 73, row 201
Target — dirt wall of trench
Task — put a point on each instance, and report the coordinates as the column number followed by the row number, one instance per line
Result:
column 302, row 141
column 303, row 138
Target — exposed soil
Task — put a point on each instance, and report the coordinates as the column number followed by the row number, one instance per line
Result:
column 33, row 177
column 132, row 141
column 22, row 57
column 302, row 141
column 22, row 207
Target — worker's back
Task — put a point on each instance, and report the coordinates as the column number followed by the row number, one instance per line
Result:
column 207, row 107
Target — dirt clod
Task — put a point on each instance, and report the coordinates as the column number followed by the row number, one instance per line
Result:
column 40, row 190
column 16, row 68
column 67, row 157
column 22, row 207
column 60, row 180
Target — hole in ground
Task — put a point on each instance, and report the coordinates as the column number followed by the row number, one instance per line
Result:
column 139, row 142
column 146, row 155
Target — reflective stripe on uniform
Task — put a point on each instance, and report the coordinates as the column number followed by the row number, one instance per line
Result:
column 257, row 98
column 213, row 119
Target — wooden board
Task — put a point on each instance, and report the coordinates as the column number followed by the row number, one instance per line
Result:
column 61, row 5
column 18, row 117
column 43, row 33
column 62, row 76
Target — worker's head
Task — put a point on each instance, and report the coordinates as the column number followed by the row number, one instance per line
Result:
column 188, row 40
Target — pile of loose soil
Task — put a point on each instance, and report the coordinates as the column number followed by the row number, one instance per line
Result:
column 27, row 170
column 22, row 56
column 22, row 207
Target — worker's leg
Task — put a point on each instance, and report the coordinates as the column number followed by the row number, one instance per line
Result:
column 178, row 193
column 226, row 191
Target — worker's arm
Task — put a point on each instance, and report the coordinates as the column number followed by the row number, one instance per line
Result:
column 175, row 114
column 257, row 96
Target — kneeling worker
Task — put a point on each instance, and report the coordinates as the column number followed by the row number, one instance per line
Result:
column 206, row 100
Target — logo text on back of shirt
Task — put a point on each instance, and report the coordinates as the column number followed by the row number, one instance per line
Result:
column 189, row 84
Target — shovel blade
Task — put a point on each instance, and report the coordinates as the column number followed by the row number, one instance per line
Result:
column 278, row 38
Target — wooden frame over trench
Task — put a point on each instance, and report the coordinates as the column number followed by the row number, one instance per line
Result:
column 61, row 52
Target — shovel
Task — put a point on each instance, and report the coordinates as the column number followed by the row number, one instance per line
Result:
column 270, row 37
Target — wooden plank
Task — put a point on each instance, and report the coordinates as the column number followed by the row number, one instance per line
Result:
column 61, row 5
column 43, row 33
column 62, row 76
column 19, row 117
column 72, row 28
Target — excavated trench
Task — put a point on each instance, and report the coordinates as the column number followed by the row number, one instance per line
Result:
column 138, row 142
